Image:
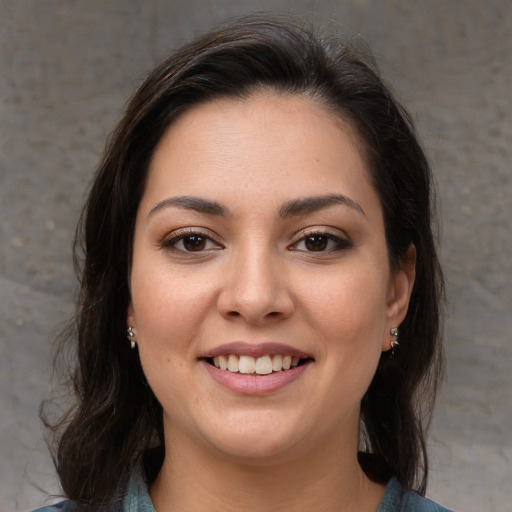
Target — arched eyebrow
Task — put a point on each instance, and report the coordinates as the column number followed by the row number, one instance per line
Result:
column 292, row 208
column 312, row 204
column 198, row 204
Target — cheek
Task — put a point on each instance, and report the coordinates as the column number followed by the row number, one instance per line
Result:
column 169, row 314
column 347, row 311
column 169, row 307
column 347, row 304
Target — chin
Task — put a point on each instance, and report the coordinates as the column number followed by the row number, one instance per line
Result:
column 255, row 440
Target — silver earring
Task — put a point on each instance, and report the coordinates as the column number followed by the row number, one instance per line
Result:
column 394, row 341
column 131, row 336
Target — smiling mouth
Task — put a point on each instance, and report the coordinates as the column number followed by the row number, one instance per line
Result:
column 264, row 365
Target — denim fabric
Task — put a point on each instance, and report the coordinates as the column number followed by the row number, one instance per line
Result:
column 398, row 499
column 136, row 499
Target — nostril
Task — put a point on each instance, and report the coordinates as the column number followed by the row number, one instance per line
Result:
column 270, row 315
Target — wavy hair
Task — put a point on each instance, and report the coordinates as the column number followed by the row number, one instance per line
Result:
column 116, row 418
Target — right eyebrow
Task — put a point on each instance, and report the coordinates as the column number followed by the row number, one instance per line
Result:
column 197, row 204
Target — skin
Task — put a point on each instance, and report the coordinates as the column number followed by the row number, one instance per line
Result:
column 256, row 279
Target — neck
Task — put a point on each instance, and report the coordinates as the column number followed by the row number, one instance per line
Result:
column 327, row 478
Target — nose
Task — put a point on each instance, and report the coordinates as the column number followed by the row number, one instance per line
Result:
column 256, row 289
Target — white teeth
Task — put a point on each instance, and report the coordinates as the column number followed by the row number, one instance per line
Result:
column 246, row 364
column 263, row 365
column 233, row 363
column 223, row 362
column 277, row 363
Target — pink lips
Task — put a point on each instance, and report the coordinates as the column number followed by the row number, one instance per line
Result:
column 252, row 384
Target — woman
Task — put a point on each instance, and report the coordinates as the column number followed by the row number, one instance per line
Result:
column 258, row 325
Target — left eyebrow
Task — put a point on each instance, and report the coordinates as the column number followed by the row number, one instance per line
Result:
column 312, row 204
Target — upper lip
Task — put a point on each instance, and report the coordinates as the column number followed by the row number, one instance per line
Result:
column 243, row 348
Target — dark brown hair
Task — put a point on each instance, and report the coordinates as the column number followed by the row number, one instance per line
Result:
column 116, row 418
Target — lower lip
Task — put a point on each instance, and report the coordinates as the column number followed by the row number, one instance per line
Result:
column 253, row 384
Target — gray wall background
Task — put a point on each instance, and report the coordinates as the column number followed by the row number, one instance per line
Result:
column 66, row 70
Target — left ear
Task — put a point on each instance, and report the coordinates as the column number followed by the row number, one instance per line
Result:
column 399, row 293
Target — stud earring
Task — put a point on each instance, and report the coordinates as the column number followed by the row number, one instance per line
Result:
column 394, row 341
column 131, row 336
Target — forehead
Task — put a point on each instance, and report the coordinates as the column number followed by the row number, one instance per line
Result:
column 269, row 144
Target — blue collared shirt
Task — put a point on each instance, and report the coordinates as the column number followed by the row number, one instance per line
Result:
column 137, row 499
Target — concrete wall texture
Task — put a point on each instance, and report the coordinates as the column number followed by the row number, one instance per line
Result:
column 66, row 70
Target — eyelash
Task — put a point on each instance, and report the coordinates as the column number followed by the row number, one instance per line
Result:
column 325, row 237
column 180, row 236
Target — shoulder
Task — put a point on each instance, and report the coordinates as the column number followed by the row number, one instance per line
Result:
column 414, row 502
column 61, row 506
column 69, row 506
column 398, row 499
column 133, row 496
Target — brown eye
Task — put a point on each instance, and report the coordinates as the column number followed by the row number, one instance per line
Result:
column 316, row 242
column 190, row 242
column 322, row 243
column 194, row 243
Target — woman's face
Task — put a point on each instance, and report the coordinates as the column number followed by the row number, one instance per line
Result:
column 259, row 246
